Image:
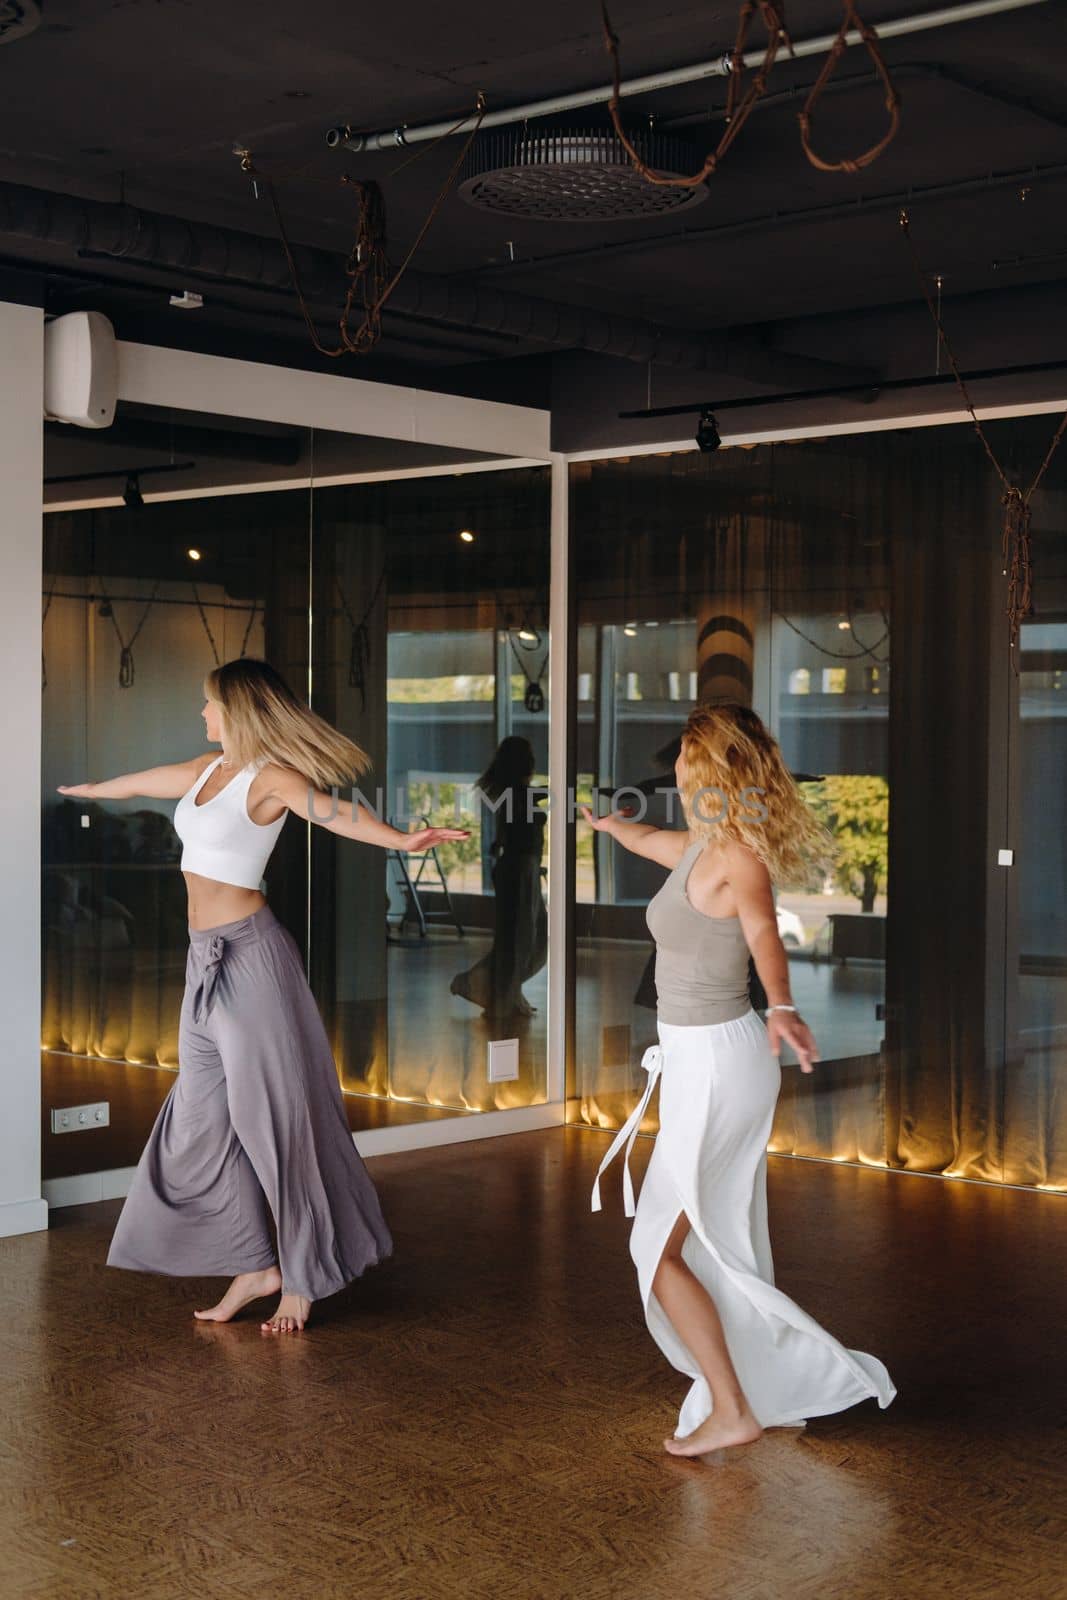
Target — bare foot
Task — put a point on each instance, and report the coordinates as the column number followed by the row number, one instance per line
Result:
column 716, row 1434
column 247, row 1286
column 293, row 1311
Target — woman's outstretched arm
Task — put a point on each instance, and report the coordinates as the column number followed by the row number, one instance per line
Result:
column 155, row 783
column 350, row 821
column 751, row 885
column 665, row 845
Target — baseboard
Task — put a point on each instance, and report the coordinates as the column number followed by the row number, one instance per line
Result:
column 457, row 1130
column 23, row 1216
column 84, row 1188
column 87, row 1187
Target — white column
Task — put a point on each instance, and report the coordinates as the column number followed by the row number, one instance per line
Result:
column 22, row 1210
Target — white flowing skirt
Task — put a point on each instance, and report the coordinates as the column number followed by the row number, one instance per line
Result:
column 718, row 1088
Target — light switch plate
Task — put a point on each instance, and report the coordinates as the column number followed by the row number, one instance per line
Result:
column 79, row 1119
column 1005, row 858
column 503, row 1060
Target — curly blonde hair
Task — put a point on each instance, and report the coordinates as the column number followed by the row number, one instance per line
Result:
column 730, row 753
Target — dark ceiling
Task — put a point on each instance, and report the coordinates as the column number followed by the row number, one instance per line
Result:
column 140, row 102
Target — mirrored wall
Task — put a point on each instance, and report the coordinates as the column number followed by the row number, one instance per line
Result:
column 412, row 613
column 851, row 590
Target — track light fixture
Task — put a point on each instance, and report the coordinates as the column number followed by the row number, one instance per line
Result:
column 707, row 435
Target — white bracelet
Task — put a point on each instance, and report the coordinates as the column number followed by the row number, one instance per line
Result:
column 780, row 1008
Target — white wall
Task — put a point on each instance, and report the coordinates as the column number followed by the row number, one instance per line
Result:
column 22, row 1210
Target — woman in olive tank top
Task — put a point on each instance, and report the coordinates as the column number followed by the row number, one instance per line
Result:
column 699, row 1240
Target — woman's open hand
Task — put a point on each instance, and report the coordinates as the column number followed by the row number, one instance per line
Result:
column 787, row 1027
column 426, row 838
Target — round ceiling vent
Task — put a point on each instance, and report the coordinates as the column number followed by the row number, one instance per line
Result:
column 572, row 175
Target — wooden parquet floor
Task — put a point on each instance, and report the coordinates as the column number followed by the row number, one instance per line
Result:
column 483, row 1416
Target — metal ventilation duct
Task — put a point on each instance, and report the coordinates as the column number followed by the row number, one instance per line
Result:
column 574, row 175
column 126, row 235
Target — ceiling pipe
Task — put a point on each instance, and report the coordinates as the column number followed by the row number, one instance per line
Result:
column 777, row 221
column 866, row 392
column 348, row 138
column 935, row 72
column 126, row 234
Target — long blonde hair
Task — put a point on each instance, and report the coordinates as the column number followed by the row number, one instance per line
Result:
column 728, row 750
column 265, row 721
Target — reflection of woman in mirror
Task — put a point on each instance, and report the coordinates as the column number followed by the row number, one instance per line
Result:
column 520, row 935
column 700, row 1241
column 255, row 1122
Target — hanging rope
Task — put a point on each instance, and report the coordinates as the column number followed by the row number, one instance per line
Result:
column 533, row 696
column 207, row 626
column 126, row 662
column 850, row 20
column 738, row 106
column 367, row 265
column 359, row 643
column 841, row 655
column 1016, row 545
column 248, row 627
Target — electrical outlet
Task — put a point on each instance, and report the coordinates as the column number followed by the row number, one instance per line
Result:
column 79, row 1119
column 503, row 1060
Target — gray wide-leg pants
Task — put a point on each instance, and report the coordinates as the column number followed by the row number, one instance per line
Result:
column 254, row 1125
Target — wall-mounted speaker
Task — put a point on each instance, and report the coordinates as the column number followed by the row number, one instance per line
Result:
column 81, row 370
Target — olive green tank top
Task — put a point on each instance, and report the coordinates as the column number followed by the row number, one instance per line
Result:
column 701, row 961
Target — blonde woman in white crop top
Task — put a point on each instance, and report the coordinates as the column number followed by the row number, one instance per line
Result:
column 270, row 792
column 255, row 1123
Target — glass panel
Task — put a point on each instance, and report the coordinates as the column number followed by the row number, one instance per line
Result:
column 427, row 648
column 436, row 646
column 140, row 601
column 759, row 576
column 1035, row 1083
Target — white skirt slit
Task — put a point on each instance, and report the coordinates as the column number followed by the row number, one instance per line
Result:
column 718, row 1089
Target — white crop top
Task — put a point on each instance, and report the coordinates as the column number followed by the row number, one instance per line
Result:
column 219, row 838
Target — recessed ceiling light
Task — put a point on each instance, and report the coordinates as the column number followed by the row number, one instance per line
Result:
column 298, row 94
column 466, row 535
column 844, row 626
column 194, row 555
column 630, row 630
